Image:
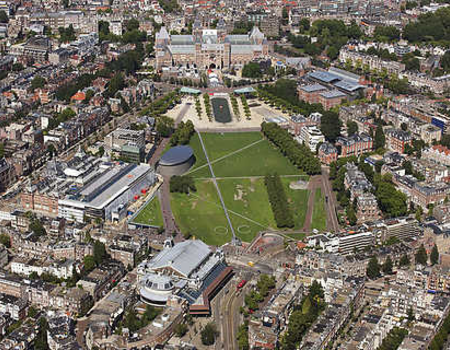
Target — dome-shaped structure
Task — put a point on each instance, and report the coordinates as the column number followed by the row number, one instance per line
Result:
column 156, row 289
column 176, row 161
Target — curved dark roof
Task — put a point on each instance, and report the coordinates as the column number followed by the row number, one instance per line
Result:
column 176, row 155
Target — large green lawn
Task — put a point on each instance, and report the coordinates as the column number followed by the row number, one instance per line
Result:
column 258, row 160
column 201, row 215
column 319, row 217
column 298, row 202
column 248, row 206
column 151, row 214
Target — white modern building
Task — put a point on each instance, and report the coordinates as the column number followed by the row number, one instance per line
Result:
column 311, row 136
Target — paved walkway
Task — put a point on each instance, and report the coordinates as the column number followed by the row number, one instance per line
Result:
column 164, row 193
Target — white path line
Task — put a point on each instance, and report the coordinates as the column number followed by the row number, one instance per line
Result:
column 225, row 156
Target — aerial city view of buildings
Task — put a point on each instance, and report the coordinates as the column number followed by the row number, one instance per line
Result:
column 215, row 174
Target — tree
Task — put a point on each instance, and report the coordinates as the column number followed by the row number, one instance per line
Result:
column 373, row 268
column 421, row 256
column 37, row 228
column 252, row 70
column 117, row 83
column 40, row 342
column 99, row 252
column 89, row 263
column 5, row 240
column 352, row 127
column 209, row 334
column 32, row 312
column 419, row 213
column 333, row 52
column 445, row 61
column 37, row 82
column 164, row 126
column 434, row 255
column 404, row 261
column 387, row 266
column 411, row 316
column 17, row 67
column 66, row 34
column 132, row 24
column 182, row 184
column 180, row 330
column 3, row 17
column 404, row 126
column 330, row 125
column 351, row 216
column 380, row 139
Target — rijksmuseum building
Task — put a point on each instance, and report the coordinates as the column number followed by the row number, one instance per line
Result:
column 209, row 48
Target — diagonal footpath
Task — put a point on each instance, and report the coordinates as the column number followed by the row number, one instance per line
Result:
column 230, row 211
column 225, row 156
column 234, row 238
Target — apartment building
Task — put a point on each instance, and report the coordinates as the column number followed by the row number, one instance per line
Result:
column 311, row 136
column 354, row 145
column 396, row 140
column 327, row 153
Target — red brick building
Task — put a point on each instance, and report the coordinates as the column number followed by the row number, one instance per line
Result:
column 327, row 153
column 396, row 140
column 354, row 145
column 310, row 93
column 330, row 99
column 297, row 122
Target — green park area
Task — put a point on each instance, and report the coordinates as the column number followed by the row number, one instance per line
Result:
column 200, row 214
column 239, row 155
column 240, row 161
column 319, row 217
column 151, row 214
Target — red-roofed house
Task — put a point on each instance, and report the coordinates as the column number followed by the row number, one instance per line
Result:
column 79, row 97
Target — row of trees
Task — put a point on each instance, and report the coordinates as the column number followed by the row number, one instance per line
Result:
column 198, row 108
column 242, row 336
column 160, row 106
column 246, row 107
column 208, row 108
column 278, row 201
column 283, row 95
column 299, row 155
column 374, row 269
column 303, row 316
column 183, row 133
column 235, row 106
column 182, row 184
